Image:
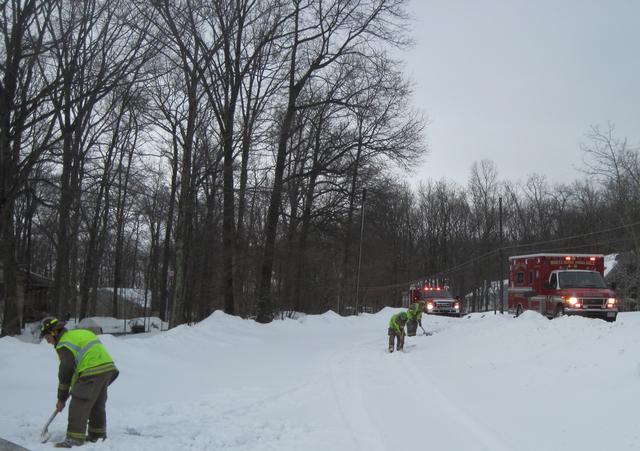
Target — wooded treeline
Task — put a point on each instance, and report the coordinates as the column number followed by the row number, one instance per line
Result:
column 446, row 233
column 215, row 153
column 211, row 152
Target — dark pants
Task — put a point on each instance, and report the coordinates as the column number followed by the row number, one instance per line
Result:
column 88, row 401
column 412, row 327
column 392, row 337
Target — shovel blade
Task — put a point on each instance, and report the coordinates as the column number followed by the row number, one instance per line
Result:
column 44, row 435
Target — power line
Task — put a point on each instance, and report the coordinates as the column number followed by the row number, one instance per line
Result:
column 582, row 235
column 496, row 251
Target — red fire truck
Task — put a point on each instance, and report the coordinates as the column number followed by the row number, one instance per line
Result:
column 560, row 284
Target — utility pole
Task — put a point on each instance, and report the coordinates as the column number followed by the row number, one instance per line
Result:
column 364, row 194
column 501, row 258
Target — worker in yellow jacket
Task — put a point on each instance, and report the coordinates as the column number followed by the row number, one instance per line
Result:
column 414, row 315
column 86, row 369
column 396, row 330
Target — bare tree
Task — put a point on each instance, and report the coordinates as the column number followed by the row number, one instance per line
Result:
column 182, row 25
column 260, row 87
column 244, row 29
column 26, row 131
column 322, row 33
column 384, row 130
column 616, row 164
column 98, row 51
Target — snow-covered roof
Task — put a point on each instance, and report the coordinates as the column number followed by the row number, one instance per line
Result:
column 135, row 295
column 610, row 262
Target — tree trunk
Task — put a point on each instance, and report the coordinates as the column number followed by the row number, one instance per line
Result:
column 62, row 276
column 265, row 303
column 185, row 208
column 11, row 312
column 123, row 190
column 228, row 211
column 166, row 254
column 346, row 257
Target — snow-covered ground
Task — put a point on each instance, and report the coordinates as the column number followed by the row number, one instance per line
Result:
column 326, row 383
column 107, row 324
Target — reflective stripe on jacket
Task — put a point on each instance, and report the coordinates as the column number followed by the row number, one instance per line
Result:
column 90, row 355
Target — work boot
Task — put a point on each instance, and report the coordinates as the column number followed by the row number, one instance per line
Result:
column 94, row 438
column 69, row 443
column 390, row 348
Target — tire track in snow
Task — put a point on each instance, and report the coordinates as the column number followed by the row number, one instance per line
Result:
column 486, row 440
column 347, row 391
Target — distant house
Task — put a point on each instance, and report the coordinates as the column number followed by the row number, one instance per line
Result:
column 35, row 293
column 131, row 302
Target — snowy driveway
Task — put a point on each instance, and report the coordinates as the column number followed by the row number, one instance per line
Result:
column 324, row 383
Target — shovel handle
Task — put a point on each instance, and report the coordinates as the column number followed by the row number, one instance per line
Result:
column 43, row 434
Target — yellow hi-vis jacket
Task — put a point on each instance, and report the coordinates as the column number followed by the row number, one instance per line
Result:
column 90, row 355
column 397, row 324
column 415, row 312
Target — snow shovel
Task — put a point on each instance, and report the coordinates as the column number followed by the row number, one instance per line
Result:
column 425, row 332
column 44, row 436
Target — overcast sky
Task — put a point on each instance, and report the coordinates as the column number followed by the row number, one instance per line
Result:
column 520, row 82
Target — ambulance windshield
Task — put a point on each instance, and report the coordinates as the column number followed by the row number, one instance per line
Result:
column 581, row 279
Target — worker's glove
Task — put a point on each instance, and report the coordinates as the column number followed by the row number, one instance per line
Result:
column 60, row 406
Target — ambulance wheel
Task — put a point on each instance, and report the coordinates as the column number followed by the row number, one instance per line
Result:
column 559, row 311
column 518, row 310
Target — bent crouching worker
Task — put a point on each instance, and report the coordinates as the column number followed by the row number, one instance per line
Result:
column 396, row 329
column 86, row 370
column 414, row 315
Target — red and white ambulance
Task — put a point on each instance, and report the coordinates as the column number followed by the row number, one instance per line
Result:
column 437, row 300
column 560, row 284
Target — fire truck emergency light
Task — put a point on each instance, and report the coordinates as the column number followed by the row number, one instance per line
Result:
column 567, row 258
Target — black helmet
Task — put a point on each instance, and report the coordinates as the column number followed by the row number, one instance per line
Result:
column 50, row 325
